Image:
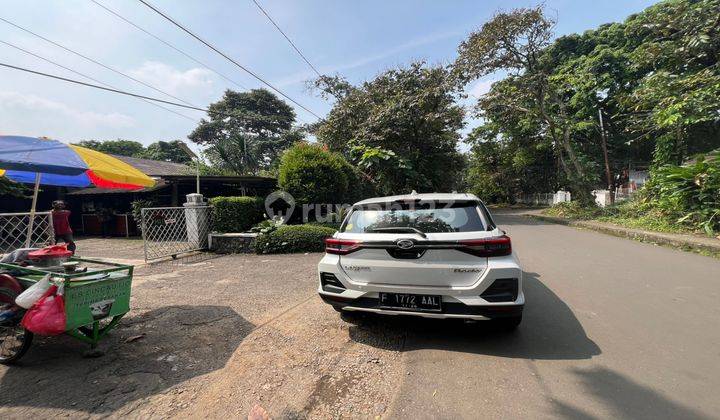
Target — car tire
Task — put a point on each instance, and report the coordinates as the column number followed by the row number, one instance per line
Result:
column 508, row 324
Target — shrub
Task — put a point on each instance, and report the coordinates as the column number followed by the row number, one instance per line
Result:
column 236, row 214
column 314, row 175
column 690, row 194
column 574, row 210
column 332, row 225
column 639, row 212
column 293, row 238
column 267, row 225
column 137, row 207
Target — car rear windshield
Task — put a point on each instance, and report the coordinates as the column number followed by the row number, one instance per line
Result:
column 426, row 217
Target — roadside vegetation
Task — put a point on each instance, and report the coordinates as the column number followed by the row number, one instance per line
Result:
column 653, row 80
column 679, row 199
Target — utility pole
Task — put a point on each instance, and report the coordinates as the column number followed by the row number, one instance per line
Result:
column 608, row 175
column 192, row 155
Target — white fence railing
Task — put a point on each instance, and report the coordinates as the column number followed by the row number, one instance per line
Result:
column 14, row 230
column 537, row 199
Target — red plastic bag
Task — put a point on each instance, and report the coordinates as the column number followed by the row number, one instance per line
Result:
column 47, row 315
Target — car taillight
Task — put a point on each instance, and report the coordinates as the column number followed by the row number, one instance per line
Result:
column 341, row 246
column 490, row 247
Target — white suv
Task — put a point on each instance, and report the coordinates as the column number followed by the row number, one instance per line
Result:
column 430, row 255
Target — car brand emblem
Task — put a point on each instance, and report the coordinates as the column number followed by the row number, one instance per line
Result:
column 404, row 243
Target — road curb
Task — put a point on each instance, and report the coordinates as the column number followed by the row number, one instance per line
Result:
column 683, row 242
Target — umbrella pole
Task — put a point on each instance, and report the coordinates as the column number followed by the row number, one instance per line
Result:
column 32, row 210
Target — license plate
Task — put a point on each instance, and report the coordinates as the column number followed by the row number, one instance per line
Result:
column 432, row 303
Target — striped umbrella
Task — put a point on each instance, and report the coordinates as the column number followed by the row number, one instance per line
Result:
column 50, row 162
column 65, row 165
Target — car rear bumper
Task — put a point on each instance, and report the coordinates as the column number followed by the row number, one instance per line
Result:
column 468, row 302
column 449, row 309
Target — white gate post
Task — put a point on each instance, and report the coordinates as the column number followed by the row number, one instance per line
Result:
column 196, row 222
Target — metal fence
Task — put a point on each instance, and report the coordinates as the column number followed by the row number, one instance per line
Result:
column 14, row 228
column 537, row 199
column 171, row 231
column 624, row 193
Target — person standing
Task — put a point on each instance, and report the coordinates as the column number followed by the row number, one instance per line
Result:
column 105, row 217
column 61, row 225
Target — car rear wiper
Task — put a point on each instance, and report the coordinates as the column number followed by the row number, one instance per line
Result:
column 399, row 229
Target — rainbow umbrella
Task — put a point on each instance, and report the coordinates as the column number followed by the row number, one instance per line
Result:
column 50, row 162
column 65, row 165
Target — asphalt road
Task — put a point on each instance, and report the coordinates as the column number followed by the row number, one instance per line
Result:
column 613, row 329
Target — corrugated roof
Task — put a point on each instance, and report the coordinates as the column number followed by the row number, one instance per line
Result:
column 156, row 167
column 94, row 190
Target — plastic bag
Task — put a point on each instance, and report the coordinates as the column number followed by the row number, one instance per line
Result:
column 33, row 293
column 47, row 315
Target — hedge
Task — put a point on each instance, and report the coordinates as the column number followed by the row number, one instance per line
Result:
column 313, row 175
column 293, row 238
column 236, row 214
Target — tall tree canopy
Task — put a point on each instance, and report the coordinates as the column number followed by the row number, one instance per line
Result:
column 401, row 129
column 654, row 78
column 168, row 151
column 247, row 131
column 115, row 147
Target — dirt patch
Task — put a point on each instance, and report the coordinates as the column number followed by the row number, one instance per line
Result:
column 304, row 364
column 122, row 250
column 211, row 338
column 176, row 344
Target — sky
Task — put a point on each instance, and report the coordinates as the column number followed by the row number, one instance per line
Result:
column 356, row 39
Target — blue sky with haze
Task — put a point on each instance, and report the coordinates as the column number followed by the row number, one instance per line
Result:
column 357, row 39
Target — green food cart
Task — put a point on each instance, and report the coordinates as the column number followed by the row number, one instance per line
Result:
column 95, row 301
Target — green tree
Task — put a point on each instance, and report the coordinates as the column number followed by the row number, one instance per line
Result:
column 514, row 42
column 401, row 129
column 675, row 60
column 115, row 147
column 654, row 77
column 500, row 168
column 13, row 189
column 167, row 151
column 247, row 131
column 314, row 175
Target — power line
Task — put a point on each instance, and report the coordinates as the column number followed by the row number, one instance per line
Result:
column 119, row 16
column 135, row 95
column 95, row 61
column 245, row 69
column 90, row 78
column 287, row 38
column 122, row 92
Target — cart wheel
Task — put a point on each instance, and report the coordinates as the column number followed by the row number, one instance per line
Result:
column 14, row 342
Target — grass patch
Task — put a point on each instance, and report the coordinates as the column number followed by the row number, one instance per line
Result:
column 574, row 210
column 648, row 222
column 635, row 214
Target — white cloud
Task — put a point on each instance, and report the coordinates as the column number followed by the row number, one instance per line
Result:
column 28, row 104
column 481, row 87
column 174, row 81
